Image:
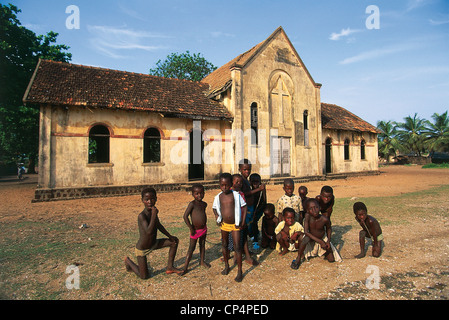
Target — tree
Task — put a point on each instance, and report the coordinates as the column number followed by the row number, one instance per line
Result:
column 388, row 143
column 437, row 133
column 411, row 134
column 183, row 66
column 20, row 50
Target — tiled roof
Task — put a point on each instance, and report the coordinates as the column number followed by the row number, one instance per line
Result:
column 60, row 83
column 337, row 118
column 220, row 77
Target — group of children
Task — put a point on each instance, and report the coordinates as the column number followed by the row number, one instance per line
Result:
column 295, row 223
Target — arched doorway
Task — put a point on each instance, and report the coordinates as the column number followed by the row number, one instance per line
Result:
column 328, row 155
column 196, row 162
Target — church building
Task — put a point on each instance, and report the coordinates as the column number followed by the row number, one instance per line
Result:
column 108, row 132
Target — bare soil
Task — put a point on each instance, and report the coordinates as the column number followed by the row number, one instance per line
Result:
column 414, row 263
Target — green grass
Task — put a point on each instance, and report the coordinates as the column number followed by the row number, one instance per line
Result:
column 34, row 254
column 436, row 166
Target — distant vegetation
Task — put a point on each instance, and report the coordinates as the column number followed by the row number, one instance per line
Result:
column 414, row 136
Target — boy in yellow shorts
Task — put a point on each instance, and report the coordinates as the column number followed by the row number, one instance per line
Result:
column 230, row 212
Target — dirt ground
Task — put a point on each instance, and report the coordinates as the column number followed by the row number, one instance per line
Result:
column 414, row 263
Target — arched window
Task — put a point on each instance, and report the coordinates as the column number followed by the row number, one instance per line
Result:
column 346, row 149
column 306, row 127
column 99, row 144
column 152, row 146
column 254, row 123
column 362, row 149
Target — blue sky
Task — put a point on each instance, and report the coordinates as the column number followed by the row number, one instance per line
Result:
column 399, row 69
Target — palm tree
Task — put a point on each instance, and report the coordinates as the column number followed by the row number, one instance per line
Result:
column 388, row 143
column 437, row 133
column 411, row 134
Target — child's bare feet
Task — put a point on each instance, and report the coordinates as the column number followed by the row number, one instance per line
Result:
column 174, row 270
column 251, row 262
column 205, row 264
column 360, row 255
column 239, row 277
column 225, row 271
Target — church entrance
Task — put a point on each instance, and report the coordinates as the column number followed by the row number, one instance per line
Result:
column 196, row 163
column 280, row 157
column 328, row 155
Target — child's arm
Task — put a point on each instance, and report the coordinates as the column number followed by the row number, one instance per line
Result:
column 243, row 219
column 216, row 216
column 187, row 213
column 150, row 227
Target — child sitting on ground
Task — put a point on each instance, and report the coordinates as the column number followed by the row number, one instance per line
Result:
column 318, row 231
column 148, row 223
column 269, row 224
column 288, row 232
column 197, row 224
column 370, row 229
column 289, row 200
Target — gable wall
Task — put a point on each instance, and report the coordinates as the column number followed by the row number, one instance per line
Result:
column 257, row 80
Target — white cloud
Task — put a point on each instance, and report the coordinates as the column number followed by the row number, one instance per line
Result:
column 377, row 53
column 343, row 33
column 110, row 40
column 414, row 4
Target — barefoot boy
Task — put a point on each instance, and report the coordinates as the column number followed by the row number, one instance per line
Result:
column 196, row 211
column 316, row 241
column 269, row 224
column 302, row 192
column 245, row 168
column 326, row 201
column 149, row 224
column 370, row 229
column 230, row 211
column 288, row 232
column 260, row 200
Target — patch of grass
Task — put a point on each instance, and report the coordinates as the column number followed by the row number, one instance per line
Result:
column 444, row 165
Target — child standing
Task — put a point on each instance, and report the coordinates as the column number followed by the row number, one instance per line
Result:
column 326, row 201
column 260, row 200
column 149, row 224
column 302, row 192
column 289, row 200
column 237, row 183
column 370, row 229
column 269, row 224
column 196, row 211
column 230, row 212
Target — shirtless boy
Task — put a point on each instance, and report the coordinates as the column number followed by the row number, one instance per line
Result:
column 230, row 211
column 197, row 224
column 370, row 229
column 302, row 192
column 149, row 224
column 269, row 224
column 326, row 201
column 318, row 230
